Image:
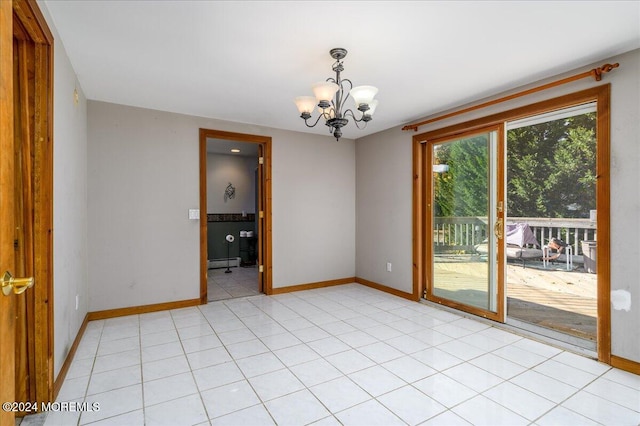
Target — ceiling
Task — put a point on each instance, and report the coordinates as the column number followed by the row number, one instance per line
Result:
column 245, row 61
column 224, row 147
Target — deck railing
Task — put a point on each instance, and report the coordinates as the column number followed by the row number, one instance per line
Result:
column 464, row 233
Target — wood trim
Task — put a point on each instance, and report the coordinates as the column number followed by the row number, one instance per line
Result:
column 603, row 223
column 625, row 364
column 143, row 309
column 596, row 73
column 393, row 291
column 33, row 21
column 267, row 276
column 43, row 226
column 69, row 359
column 583, row 96
column 419, row 285
column 266, row 240
column 311, row 286
column 204, row 262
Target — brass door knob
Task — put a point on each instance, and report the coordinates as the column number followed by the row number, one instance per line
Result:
column 497, row 229
column 19, row 285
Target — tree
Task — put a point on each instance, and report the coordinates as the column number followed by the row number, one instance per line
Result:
column 462, row 190
column 551, row 168
column 550, row 171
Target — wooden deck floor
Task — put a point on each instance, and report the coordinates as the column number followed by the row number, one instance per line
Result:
column 565, row 301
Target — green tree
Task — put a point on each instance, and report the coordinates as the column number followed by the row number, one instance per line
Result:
column 551, row 168
column 462, row 190
column 550, row 171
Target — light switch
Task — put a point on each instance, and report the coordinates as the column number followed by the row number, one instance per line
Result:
column 194, row 214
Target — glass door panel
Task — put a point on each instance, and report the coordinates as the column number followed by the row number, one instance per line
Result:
column 465, row 223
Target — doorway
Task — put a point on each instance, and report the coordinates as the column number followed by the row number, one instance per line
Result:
column 235, row 220
column 551, row 206
column 466, row 215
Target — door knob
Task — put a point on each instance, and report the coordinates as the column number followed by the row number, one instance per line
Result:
column 19, row 285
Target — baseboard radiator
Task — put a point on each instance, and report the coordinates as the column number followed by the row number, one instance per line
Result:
column 234, row 262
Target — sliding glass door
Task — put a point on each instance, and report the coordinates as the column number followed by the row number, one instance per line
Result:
column 466, row 222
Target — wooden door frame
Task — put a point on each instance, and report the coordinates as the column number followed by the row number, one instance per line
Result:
column 266, row 236
column 602, row 96
column 40, row 325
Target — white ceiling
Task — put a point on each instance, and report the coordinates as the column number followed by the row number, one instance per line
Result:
column 245, row 61
column 224, row 147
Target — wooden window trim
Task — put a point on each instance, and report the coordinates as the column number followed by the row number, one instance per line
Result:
column 601, row 95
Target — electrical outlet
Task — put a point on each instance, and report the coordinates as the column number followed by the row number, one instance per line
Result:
column 388, row 266
column 77, row 301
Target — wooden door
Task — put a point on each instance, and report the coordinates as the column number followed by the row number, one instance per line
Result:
column 26, row 188
column 7, row 316
column 23, row 221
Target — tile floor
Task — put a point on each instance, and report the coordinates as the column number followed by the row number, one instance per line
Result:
column 341, row 355
column 240, row 282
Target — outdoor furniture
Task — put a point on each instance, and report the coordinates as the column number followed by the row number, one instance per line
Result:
column 568, row 254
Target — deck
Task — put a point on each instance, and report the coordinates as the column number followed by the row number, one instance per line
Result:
column 565, row 301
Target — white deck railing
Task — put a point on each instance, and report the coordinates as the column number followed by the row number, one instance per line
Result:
column 463, row 233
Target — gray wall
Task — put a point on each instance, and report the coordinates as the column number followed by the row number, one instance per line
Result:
column 123, row 226
column 143, row 249
column 237, row 170
column 70, row 272
column 383, row 197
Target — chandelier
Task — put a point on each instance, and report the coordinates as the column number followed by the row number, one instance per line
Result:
column 330, row 98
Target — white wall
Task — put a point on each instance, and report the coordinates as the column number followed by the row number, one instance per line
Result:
column 144, row 178
column 384, row 204
column 70, row 203
column 240, row 172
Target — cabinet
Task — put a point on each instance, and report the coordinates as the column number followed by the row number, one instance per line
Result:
column 248, row 251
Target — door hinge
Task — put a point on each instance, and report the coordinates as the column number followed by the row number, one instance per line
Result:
column 260, row 268
column 260, row 160
column 261, row 214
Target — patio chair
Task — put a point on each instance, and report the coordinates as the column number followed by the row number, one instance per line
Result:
column 556, row 248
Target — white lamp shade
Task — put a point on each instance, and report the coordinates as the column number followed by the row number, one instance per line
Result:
column 372, row 107
column 324, row 90
column 363, row 94
column 305, row 104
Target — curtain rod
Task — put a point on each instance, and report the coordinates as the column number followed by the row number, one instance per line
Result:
column 596, row 73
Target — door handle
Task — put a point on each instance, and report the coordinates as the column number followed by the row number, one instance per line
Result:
column 19, row 285
column 497, row 229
